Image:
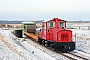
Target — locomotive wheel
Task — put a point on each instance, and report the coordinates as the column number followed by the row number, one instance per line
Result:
column 52, row 46
column 47, row 43
column 39, row 40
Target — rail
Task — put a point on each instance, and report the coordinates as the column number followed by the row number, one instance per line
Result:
column 60, row 54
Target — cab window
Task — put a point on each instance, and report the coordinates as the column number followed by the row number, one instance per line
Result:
column 51, row 24
column 61, row 24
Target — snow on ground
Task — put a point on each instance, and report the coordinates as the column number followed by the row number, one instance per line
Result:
column 12, row 49
column 82, row 40
column 82, row 36
column 36, row 52
column 85, row 54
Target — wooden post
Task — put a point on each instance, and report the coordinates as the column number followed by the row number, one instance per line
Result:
column 88, row 27
column 75, row 37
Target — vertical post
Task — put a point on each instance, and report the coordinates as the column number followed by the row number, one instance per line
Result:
column 75, row 37
column 88, row 27
column 65, row 24
column 56, row 24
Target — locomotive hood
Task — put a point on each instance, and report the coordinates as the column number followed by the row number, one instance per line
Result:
column 62, row 35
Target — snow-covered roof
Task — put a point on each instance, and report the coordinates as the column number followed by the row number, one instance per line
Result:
column 28, row 22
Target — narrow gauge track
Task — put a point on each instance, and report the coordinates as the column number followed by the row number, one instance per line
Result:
column 76, row 57
column 51, row 52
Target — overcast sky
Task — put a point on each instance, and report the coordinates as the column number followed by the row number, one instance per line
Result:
column 44, row 9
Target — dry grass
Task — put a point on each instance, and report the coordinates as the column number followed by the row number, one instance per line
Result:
column 11, row 47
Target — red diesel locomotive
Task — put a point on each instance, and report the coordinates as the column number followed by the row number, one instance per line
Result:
column 55, row 35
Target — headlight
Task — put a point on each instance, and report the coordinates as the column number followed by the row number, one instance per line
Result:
column 58, row 38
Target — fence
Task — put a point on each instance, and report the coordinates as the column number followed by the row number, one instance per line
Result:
column 79, row 27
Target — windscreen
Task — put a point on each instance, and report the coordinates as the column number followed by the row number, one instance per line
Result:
column 61, row 24
column 51, row 24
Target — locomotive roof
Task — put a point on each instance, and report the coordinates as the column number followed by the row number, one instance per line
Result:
column 51, row 20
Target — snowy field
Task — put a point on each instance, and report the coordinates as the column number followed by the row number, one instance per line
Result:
column 78, row 24
column 82, row 39
column 84, row 26
column 13, row 49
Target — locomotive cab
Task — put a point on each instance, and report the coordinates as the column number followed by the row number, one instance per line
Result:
column 48, row 28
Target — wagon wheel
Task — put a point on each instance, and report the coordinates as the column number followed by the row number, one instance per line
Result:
column 40, row 40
